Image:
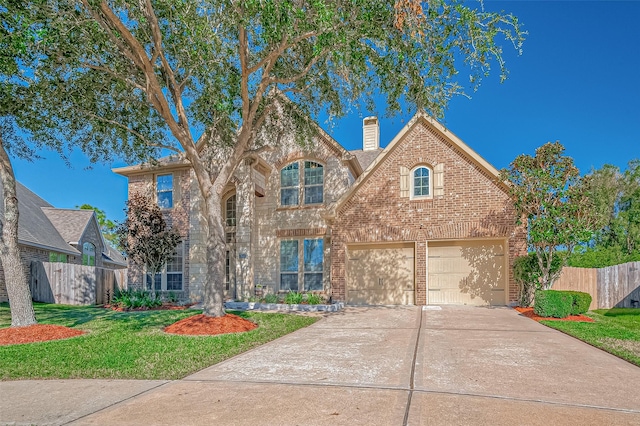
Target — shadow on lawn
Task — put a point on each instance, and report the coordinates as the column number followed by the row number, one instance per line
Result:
column 618, row 312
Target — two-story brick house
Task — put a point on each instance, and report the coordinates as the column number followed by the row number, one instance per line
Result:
column 423, row 221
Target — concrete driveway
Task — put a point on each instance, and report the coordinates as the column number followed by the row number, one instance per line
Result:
column 367, row 366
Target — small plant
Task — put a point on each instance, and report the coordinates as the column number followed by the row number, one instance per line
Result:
column 271, row 298
column 134, row 299
column 172, row 297
column 293, row 298
column 314, row 299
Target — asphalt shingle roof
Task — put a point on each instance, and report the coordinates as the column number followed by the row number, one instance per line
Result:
column 34, row 227
column 69, row 223
column 365, row 158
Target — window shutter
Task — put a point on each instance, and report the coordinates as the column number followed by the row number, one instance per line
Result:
column 404, row 182
column 438, row 179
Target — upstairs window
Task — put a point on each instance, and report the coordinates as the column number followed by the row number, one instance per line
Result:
column 88, row 254
column 230, row 211
column 306, row 188
column 164, row 191
column 421, row 182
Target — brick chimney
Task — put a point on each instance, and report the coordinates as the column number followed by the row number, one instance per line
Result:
column 370, row 134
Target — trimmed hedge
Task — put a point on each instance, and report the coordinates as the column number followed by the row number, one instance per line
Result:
column 581, row 302
column 553, row 303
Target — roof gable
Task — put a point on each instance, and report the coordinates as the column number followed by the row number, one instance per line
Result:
column 421, row 118
column 70, row 223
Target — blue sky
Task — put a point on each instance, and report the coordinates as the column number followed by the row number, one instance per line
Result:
column 577, row 81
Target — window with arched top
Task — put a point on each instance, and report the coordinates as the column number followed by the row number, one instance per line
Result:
column 88, row 254
column 230, row 211
column 421, row 182
column 306, row 188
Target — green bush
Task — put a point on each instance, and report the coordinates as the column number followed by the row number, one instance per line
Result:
column 314, row 299
column 580, row 302
column 271, row 298
column 553, row 303
column 293, row 298
column 134, row 299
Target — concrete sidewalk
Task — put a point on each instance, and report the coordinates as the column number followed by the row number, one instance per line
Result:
column 373, row 366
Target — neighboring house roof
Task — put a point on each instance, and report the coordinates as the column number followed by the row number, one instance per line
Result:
column 70, row 223
column 43, row 226
column 112, row 255
column 425, row 119
column 365, row 158
column 34, row 227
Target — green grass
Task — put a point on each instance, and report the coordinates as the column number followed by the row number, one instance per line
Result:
column 130, row 345
column 616, row 331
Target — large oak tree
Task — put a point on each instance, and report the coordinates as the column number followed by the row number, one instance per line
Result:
column 216, row 81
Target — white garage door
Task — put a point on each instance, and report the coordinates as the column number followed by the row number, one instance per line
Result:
column 380, row 275
column 466, row 273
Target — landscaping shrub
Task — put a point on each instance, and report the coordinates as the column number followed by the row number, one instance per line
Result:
column 271, row 298
column 580, row 302
column 553, row 303
column 314, row 299
column 133, row 299
column 293, row 298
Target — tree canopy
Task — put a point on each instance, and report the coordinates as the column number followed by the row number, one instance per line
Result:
column 553, row 200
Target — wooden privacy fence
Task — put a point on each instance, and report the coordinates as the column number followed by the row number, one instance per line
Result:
column 611, row 287
column 69, row 284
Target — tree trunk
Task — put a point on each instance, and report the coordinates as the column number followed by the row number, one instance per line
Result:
column 213, row 304
column 15, row 279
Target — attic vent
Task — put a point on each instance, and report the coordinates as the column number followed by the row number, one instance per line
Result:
column 370, row 134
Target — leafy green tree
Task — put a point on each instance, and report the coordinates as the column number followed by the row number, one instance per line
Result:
column 217, row 81
column 552, row 199
column 616, row 196
column 145, row 236
column 107, row 226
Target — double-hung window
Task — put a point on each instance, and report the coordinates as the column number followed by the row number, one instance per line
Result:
column 230, row 211
column 302, row 188
column 171, row 276
column 301, row 264
column 164, row 191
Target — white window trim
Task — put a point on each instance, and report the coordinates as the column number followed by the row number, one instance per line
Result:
column 225, row 211
column 412, row 195
column 173, row 189
column 301, row 186
column 163, row 274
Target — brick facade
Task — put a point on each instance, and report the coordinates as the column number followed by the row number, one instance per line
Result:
column 470, row 204
column 473, row 205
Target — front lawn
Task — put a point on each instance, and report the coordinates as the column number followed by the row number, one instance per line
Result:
column 615, row 330
column 130, row 345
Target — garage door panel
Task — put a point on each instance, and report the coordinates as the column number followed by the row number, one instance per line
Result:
column 469, row 273
column 380, row 276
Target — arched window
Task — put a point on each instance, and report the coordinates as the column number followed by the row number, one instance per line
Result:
column 421, row 182
column 88, row 254
column 310, row 183
column 230, row 211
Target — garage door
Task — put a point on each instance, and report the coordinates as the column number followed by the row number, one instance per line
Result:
column 380, row 275
column 466, row 273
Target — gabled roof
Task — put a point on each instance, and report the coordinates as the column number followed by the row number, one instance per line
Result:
column 70, row 223
column 112, row 255
column 34, row 227
column 425, row 119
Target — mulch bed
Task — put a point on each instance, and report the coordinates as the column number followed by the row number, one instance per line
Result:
column 528, row 312
column 36, row 333
column 199, row 325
